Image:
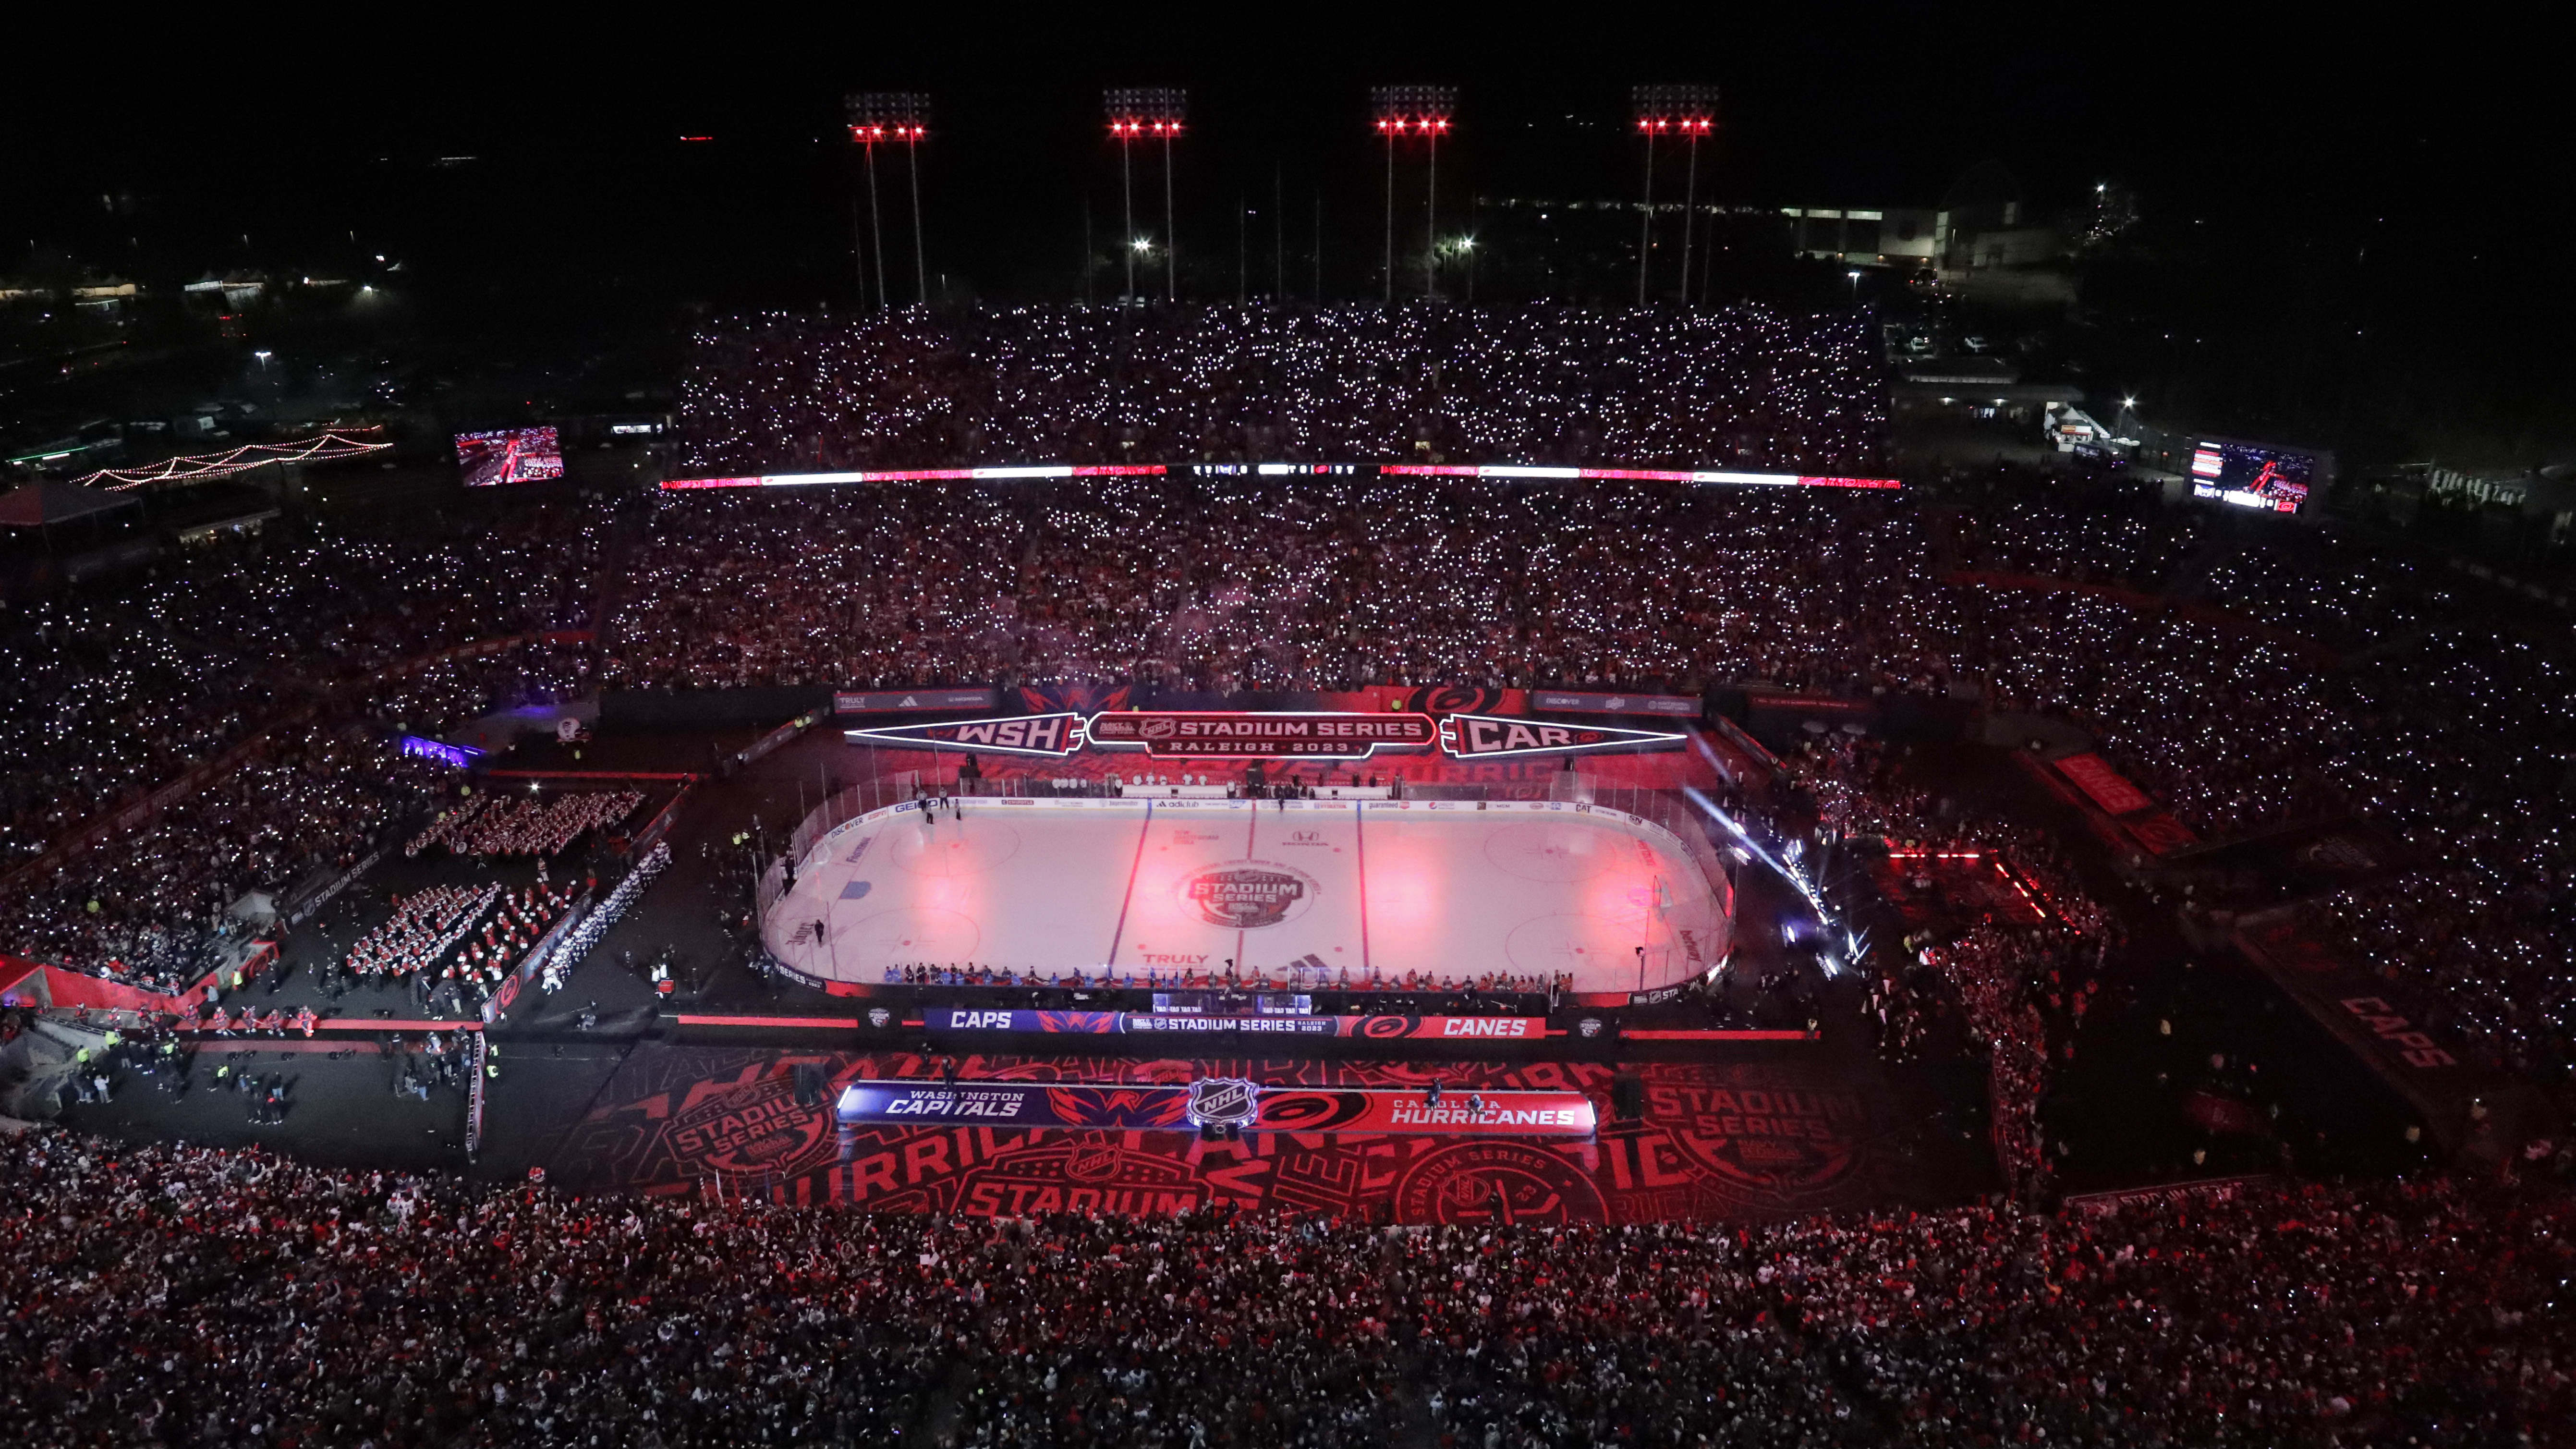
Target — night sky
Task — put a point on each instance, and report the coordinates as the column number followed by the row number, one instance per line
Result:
column 1857, row 104
column 2363, row 182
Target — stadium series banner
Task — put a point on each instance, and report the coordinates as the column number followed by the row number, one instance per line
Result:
column 1108, row 1023
column 1202, row 734
column 1218, row 1101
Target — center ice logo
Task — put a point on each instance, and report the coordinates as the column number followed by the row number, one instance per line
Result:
column 1244, row 894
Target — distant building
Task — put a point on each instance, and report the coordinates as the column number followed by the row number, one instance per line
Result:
column 1981, row 223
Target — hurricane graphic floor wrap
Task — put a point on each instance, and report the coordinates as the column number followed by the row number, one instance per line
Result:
column 1747, row 1139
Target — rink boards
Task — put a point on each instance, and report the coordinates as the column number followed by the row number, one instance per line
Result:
column 1370, row 888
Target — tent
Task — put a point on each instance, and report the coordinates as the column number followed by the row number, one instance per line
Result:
column 48, row 505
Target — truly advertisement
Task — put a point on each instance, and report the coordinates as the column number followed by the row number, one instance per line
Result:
column 898, row 701
column 1199, row 734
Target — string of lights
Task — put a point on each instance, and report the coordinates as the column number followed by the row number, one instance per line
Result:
column 327, row 447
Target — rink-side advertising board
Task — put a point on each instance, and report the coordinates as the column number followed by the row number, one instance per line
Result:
column 1110, row 1023
column 901, row 701
column 1227, row 1101
column 1677, row 706
column 1252, row 734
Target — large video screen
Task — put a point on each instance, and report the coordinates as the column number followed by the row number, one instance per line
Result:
column 2251, row 475
column 509, row 455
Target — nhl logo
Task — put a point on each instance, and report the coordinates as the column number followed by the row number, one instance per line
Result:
column 1223, row 1102
column 1588, row 1027
column 1247, row 894
column 878, row 1016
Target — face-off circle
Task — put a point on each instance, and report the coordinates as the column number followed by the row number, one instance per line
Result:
column 913, row 933
column 944, row 852
column 1549, row 850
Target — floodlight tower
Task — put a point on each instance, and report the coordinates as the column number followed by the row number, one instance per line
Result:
column 1689, row 112
column 1423, row 111
column 867, row 131
column 897, row 116
column 1152, row 113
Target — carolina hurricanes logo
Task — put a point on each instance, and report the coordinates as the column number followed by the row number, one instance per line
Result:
column 1453, row 699
column 1311, row 1110
column 1385, row 1026
column 1246, row 894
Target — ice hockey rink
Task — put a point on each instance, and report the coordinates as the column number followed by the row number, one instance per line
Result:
column 1376, row 889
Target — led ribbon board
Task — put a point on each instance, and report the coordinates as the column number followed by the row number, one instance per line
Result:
column 918, row 475
column 1241, row 734
column 1485, row 737
column 1050, row 735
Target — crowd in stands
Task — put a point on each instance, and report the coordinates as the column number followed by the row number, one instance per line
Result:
column 195, row 1297
column 1740, row 386
column 2023, row 982
column 305, row 649
column 2243, row 679
column 1231, row 585
column 104, row 695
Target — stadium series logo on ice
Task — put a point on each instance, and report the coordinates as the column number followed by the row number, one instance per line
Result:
column 1248, row 893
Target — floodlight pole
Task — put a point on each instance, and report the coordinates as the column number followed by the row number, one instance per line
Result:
column 1127, row 184
column 1390, row 216
column 1646, row 221
column 1690, row 197
column 876, row 228
column 912, row 158
column 1431, row 217
column 1171, row 237
column 1319, row 246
